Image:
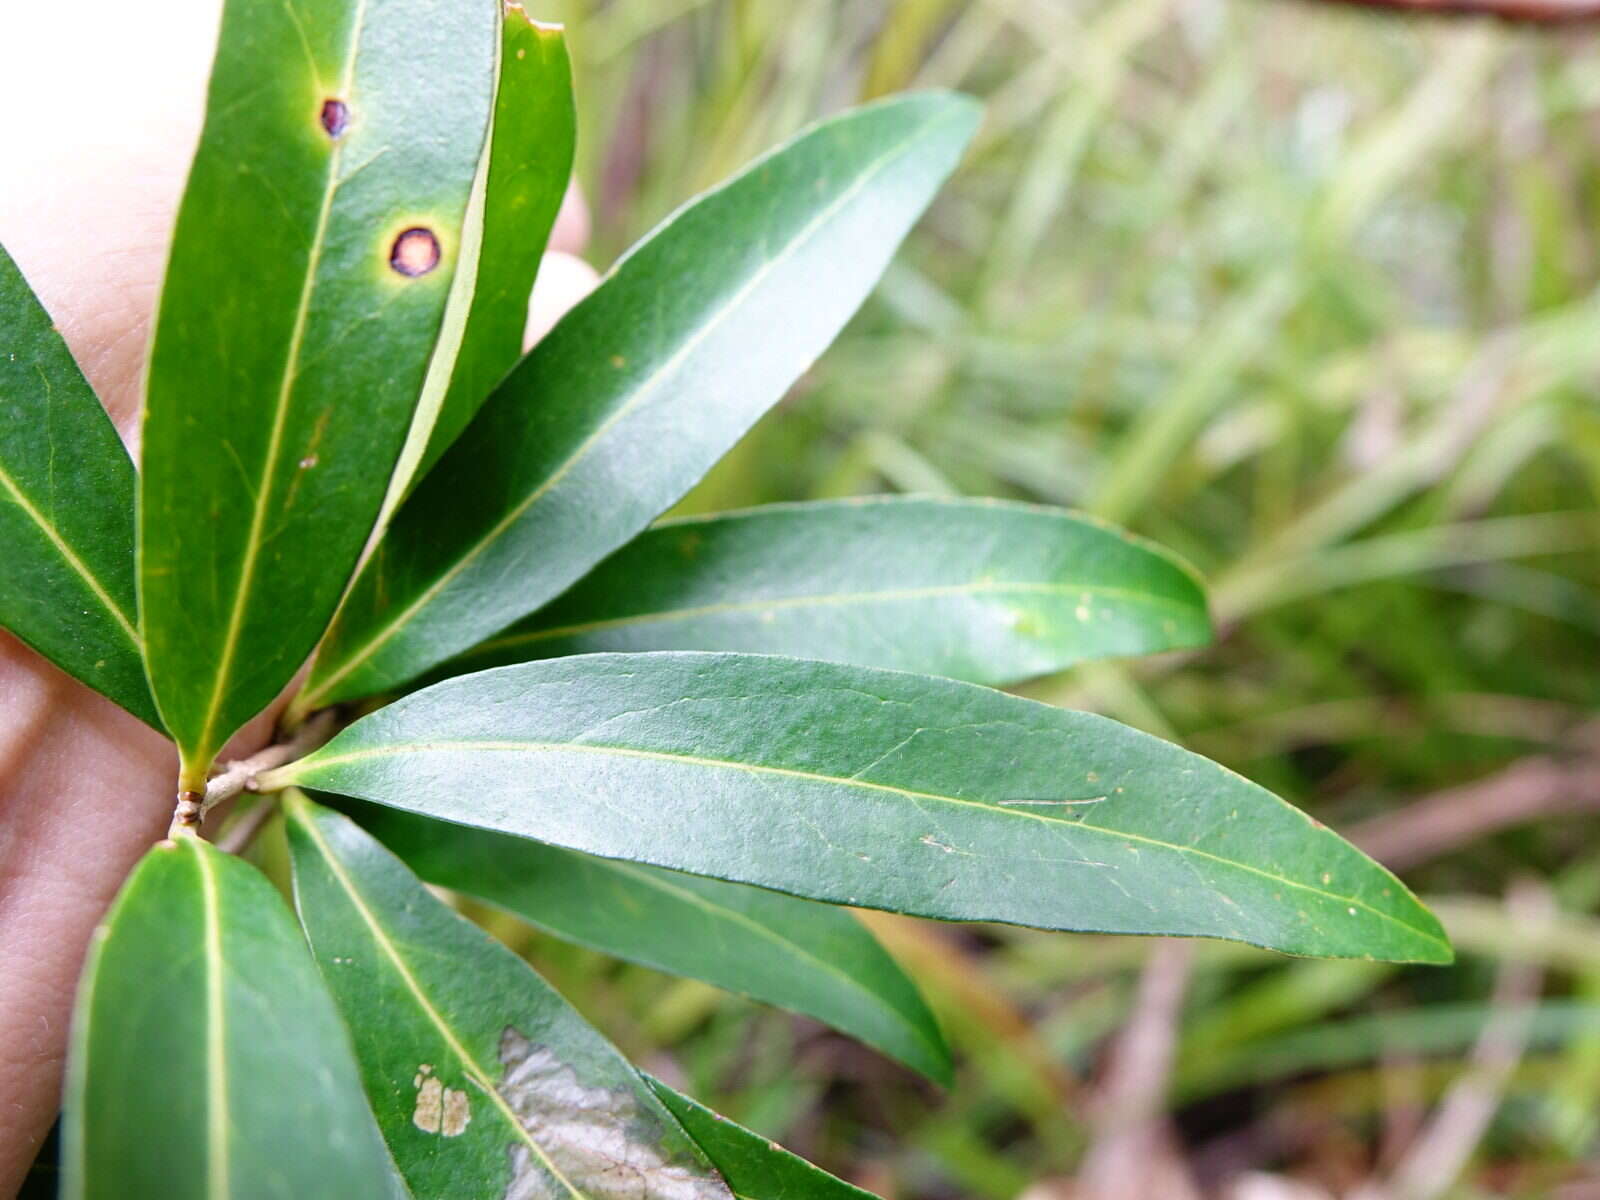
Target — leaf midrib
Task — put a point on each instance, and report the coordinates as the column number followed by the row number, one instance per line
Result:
column 218, row 1167
column 646, row 388
column 830, row 599
column 316, row 762
column 469, row 1063
column 291, row 371
column 70, row 557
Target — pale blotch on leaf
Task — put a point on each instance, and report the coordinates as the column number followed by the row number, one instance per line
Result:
column 601, row 1141
column 439, row 1109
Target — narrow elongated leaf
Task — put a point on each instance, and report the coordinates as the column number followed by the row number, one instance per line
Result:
column 874, row 788
column 207, row 1058
column 808, row 957
column 310, row 266
column 755, row 1168
column 484, row 1081
column 972, row 589
column 522, row 175
column 643, row 386
column 66, row 509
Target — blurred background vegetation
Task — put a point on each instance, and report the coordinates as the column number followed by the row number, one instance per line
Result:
column 1309, row 294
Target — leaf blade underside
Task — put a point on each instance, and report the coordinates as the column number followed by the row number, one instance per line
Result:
column 640, row 389
column 301, row 303
column 483, row 1080
column 814, row 959
column 877, row 789
column 980, row 590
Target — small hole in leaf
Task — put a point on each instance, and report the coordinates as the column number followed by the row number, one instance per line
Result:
column 335, row 116
column 415, row 252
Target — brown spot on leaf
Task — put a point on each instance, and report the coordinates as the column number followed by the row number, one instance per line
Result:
column 415, row 252
column 335, row 117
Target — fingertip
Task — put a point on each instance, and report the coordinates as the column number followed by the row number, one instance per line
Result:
column 564, row 279
column 571, row 231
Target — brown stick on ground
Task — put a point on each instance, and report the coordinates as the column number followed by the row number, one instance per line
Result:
column 1546, row 786
column 1134, row 1151
column 1534, row 12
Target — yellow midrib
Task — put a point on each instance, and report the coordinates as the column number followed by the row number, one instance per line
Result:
column 379, row 935
column 70, row 557
column 218, row 1174
column 247, row 567
column 316, row 762
column 826, row 599
column 640, row 394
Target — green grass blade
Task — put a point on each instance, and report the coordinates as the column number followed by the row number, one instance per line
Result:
column 643, row 386
column 66, row 509
column 810, row 958
column 484, row 1081
column 313, row 255
column 207, row 1058
column 874, row 788
column 1013, row 591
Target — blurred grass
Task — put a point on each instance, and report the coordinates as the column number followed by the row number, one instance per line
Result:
column 1307, row 294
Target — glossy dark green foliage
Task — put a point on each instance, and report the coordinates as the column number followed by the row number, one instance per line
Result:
column 874, row 788
column 300, row 309
column 641, row 388
column 971, row 589
column 755, row 1168
column 484, row 1081
column 812, row 958
column 207, row 1059
column 66, row 509
column 522, row 176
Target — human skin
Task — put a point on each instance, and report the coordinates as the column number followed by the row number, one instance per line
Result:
column 99, row 113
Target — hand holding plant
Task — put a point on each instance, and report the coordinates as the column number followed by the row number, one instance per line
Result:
column 694, row 731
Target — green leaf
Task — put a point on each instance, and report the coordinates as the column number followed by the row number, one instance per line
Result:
column 522, row 176
column 755, row 1168
column 811, row 958
column 66, row 509
column 290, row 346
column 484, row 1081
column 874, row 788
column 1013, row 591
column 643, row 386
column 207, row 1058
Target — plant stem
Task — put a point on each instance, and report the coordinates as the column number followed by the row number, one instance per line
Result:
column 240, row 775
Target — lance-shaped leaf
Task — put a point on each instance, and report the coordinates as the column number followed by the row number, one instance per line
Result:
column 66, row 509
column 484, row 1081
column 522, row 175
column 640, row 389
column 972, row 589
column 755, row 1168
column 874, row 788
column 808, row 957
column 207, row 1058
column 310, row 266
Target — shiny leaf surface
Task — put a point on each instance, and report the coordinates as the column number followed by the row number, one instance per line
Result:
column 978, row 590
column 811, row 958
column 313, row 254
column 755, row 1168
column 484, row 1081
column 874, row 788
column 66, row 509
column 522, row 176
column 640, row 389
column 207, row 1058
